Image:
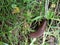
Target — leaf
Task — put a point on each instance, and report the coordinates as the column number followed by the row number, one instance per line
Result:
column 49, row 15
column 38, row 17
column 13, row 5
column 2, row 43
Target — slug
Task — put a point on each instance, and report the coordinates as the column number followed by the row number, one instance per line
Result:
column 40, row 30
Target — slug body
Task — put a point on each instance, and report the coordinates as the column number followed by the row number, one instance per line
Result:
column 40, row 30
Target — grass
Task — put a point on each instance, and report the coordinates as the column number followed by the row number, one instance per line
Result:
column 16, row 17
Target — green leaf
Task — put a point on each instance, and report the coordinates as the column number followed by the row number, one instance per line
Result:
column 13, row 5
column 49, row 15
column 38, row 17
column 2, row 43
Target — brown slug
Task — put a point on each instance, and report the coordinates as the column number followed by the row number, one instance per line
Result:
column 40, row 30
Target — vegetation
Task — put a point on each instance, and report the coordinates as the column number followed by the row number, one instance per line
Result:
column 17, row 16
